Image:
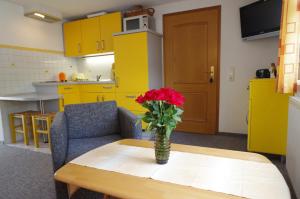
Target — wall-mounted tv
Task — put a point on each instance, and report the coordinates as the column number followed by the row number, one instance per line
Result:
column 261, row 19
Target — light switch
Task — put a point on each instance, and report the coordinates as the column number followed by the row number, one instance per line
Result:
column 231, row 74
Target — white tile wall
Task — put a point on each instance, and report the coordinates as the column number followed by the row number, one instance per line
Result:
column 19, row 68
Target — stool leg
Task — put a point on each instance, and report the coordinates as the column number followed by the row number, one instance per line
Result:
column 48, row 131
column 25, row 130
column 35, row 134
column 12, row 128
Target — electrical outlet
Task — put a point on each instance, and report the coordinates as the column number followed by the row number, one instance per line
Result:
column 231, row 74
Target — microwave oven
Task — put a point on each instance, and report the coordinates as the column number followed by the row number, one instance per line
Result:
column 141, row 22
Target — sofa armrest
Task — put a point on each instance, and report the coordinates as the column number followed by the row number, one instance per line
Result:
column 59, row 140
column 129, row 128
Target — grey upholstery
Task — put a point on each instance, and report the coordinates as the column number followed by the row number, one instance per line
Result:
column 78, row 147
column 90, row 115
column 84, row 127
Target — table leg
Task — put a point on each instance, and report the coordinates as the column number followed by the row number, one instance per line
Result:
column 106, row 196
column 72, row 189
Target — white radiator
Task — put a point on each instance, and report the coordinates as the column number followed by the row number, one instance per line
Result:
column 293, row 152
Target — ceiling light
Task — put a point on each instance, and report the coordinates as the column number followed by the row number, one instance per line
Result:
column 39, row 15
column 42, row 13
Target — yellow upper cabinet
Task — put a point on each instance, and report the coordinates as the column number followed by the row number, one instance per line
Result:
column 73, row 38
column 110, row 24
column 131, row 62
column 92, row 35
column 90, row 29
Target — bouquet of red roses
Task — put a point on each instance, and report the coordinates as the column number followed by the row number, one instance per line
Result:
column 164, row 110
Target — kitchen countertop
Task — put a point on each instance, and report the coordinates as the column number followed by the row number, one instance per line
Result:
column 29, row 97
column 55, row 83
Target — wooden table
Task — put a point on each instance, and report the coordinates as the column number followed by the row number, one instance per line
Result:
column 131, row 187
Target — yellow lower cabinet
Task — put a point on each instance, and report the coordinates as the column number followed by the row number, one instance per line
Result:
column 63, row 89
column 90, row 97
column 97, row 97
column 97, row 88
column 108, row 97
column 68, row 98
column 268, row 118
column 127, row 100
column 139, row 114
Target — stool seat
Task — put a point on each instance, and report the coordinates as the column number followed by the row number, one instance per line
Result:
column 41, row 124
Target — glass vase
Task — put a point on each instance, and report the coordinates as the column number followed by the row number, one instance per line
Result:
column 162, row 147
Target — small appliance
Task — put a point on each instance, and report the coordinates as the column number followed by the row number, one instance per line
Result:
column 141, row 22
column 263, row 73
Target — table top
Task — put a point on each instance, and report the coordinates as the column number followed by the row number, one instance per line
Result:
column 112, row 183
column 29, row 97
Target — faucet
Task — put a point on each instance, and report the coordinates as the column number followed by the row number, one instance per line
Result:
column 98, row 77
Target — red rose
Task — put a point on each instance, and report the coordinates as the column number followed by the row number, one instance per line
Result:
column 140, row 99
column 168, row 95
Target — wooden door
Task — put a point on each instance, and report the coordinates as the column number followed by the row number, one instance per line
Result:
column 91, row 36
column 191, row 56
column 72, row 38
column 110, row 24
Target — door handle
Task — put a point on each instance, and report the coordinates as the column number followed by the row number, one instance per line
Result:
column 98, row 45
column 107, row 87
column 79, row 47
column 103, row 99
column 130, row 96
column 212, row 74
column 102, row 44
column 117, row 82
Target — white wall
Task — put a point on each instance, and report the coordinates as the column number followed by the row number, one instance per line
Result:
column 23, row 31
column 293, row 156
column 245, row 57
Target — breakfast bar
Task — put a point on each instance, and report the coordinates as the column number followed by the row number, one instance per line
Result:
column 24, row 102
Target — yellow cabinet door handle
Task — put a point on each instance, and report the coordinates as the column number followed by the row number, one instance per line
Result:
column 130, row 96
column 79, row 48
column 98, row 45
column 107, row 87
column 103, row 44
column 103, row 99
column 117, row 81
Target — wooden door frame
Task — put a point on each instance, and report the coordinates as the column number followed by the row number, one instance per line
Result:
column 218, row 8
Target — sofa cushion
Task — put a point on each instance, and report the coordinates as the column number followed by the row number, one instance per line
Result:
column 92, row 120
column 78, row 147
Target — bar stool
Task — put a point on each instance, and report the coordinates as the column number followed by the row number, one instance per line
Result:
column 24, row 126
column 41, row 124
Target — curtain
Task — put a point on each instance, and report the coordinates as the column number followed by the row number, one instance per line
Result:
column 289, row 43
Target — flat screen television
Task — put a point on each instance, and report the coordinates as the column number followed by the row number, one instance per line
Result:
column 261, row 19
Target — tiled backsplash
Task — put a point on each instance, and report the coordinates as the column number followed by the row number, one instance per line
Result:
column 98, row 65
column 19, row 68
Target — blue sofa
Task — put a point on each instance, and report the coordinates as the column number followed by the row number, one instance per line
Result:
column 83, row 127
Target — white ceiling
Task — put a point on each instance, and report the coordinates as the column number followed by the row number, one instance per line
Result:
column 76, row 8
